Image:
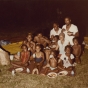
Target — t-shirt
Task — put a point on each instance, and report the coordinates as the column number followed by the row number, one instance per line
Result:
column 73, row 29
column 53, row 32
column 62, row 46
column 66, row 62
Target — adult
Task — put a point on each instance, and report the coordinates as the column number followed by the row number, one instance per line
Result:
column 62, row 43
column 70, row 30
column 41, row 39
column 55, row 31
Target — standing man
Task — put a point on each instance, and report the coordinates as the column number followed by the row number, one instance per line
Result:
column 70, row 30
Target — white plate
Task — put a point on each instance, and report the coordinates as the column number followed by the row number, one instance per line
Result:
column 52, row 75
column 19, row 69
column 62, row 73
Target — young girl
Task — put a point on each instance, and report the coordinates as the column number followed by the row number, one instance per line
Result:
column 38, row 57
column 67, row 59
column 76, row 50
column 24, row 57
column 30, row 44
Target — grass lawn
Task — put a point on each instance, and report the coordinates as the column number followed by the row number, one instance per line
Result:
column 22, row 80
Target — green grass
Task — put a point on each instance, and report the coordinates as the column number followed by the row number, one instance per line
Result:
column 22, row 80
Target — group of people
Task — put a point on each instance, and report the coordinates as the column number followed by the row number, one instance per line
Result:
column 60, row 52
column 42, row 55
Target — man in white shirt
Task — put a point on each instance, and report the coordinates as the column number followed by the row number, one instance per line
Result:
column 70, row 30
column 55, row 31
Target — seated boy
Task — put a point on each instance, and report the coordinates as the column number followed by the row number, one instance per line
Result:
column 52, row 67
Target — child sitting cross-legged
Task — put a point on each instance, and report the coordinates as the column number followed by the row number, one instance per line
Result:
column 67, row 60
column 53, row 64
column 24, row 58
column 38, row 58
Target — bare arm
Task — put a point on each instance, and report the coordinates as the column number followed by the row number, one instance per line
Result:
column 57, row 47
column 46, row 40
column 76, row 34
column 35, row 39
column 42, row 57
column 79, row 50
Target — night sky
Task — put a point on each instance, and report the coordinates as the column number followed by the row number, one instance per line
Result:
column 37, row 12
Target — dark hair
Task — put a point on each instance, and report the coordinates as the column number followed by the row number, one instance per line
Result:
column 76, row 39
column 24, row 45
column 55, row 53
column 56, row 36
column 68, row 46
column 30, row 34
column 68, row 17
column 56, row 23
column 39, row 33
column 39, row 45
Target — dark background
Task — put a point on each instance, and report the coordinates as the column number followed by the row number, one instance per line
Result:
column 42, row 13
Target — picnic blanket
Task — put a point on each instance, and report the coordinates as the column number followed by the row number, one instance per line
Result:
column 13, row 48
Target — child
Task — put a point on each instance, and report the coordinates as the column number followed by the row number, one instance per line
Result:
column 67, row 59
column 52, row 67
column 76, row 50
column 53, row 46
column 54, row 42
column 30, row 44
column 38, row 57
column 24, row 57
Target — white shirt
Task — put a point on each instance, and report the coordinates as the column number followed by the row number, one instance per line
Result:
column 62, row 46
column 73, row 29
column 53, row 32
column 66, row 62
